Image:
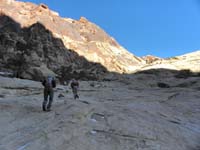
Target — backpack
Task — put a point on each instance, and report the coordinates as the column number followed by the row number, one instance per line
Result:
column 50, row 82
column 74, row 83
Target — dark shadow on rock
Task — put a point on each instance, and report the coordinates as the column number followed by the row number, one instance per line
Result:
column 33, row 51
column 164, row 78
column 163, row 85
column 178, row 74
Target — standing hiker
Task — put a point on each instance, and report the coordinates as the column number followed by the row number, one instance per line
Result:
column 75, row 87
column 49, row 83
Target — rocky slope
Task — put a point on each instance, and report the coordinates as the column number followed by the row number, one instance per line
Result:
column 157, row 108
column 34, row 52
column 81, row 36
column 35, row 41
column 139, row 114
column 189, row 61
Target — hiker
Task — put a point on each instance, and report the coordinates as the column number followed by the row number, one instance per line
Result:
column 75, row 86
column 49, row 83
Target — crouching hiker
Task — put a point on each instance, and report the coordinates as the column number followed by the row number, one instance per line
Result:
column 49, row 83
column 75, row 87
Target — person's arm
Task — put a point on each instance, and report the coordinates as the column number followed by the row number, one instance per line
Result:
column 53, row 83
column 72, row 85
column 78, row 84
column 43, row 82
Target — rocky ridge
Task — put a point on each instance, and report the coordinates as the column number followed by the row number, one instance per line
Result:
column 32, row 45
column 189, row 61
column 83, row 37
column 157, row 108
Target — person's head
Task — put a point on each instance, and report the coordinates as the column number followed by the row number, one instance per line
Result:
column 50, row 77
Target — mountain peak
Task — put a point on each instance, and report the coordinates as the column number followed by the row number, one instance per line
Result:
column 39, row 28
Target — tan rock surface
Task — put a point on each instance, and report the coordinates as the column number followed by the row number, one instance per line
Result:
column 82, row 36
column 130, row 114
column 189, row 61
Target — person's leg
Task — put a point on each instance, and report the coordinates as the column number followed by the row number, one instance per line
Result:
column 76, row 92
column 50, row 100
column 44, row 104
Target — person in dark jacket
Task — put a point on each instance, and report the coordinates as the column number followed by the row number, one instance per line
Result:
column 49, row 83
column 75, row 87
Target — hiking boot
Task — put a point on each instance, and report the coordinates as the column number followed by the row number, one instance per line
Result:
column 43, row 108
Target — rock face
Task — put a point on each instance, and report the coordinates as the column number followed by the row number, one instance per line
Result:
column 39, row 37
column 33, row 52
column 137, row 115
column 188, row 61
column 149, row 59
column 35, row 41
column 154, row 109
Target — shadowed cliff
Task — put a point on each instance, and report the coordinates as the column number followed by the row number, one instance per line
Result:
column 82, row 36
column 33, row 51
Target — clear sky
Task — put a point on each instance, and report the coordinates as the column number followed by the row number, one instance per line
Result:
column 162, row 28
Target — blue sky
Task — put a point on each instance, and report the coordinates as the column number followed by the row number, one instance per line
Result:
column 162, row 28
